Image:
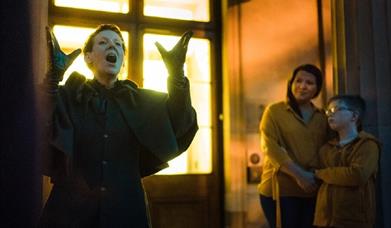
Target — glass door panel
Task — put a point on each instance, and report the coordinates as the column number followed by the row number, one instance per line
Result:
column 197, row 159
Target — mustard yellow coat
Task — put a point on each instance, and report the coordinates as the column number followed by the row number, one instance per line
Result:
column 346, row 197
column 285, row 136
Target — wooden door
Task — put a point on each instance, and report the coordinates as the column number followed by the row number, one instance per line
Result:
column 192, row 200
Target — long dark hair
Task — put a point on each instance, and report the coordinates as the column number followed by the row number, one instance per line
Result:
column 309, row 68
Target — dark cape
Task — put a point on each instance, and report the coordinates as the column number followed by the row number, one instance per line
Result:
column 161, row 125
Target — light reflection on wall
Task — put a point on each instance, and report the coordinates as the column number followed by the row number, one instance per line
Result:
column 71, row 38
column 197, row 159
column 273, row 38
column 273, row 48
column 117, row 6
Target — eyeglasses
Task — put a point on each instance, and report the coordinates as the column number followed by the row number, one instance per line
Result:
column 333, row 110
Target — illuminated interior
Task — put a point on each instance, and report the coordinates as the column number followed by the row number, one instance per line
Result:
column 117, row 6
column 195, row 10
column 197, row 159
column 71, row 38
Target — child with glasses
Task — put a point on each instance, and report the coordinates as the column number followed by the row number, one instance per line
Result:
column 346, row 197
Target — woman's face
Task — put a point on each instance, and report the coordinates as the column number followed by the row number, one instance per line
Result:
column 304, row 87
column 107, row 54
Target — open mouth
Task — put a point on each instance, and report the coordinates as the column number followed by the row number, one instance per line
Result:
column 111, row 58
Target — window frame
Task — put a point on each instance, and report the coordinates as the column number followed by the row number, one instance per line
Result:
column 136, row 24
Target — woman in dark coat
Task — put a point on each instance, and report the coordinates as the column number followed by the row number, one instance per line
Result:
column 106, row 134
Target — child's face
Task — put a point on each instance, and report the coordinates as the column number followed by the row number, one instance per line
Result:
column 340, row 116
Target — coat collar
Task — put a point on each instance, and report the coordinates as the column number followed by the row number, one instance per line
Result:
column 85, row 89
column 362, row 136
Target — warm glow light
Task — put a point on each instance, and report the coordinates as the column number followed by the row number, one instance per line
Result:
column 195, row 10
column 179, row 165
column 117, row 6
column 71, row 38
column 201, row 95
column 169, row 12
column 198, row 158
column 153, row 77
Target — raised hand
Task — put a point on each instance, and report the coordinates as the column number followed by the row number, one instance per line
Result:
column 58, row 61
column 175, row 58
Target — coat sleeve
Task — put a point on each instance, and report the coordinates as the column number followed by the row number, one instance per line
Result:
column 183, row 117
column 58, row 140
column 270, row 140
column 59, row 130
column 360, row 169
column 150, row 164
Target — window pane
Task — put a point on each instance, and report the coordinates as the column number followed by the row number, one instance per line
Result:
column 200, row 161
column 116, row 6
column 197, row 66
column 71, row 38
column 193, row 10
column 197, row 159
column 200, row 94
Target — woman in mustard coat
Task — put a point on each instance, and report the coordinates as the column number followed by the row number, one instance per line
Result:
column 292, row 133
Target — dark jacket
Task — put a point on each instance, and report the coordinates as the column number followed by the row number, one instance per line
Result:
column 161, row 127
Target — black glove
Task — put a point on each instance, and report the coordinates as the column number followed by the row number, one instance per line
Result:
column 175, row 59
column 58, row 61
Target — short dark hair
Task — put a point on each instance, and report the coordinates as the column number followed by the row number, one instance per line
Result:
column 90, row 40
column 354, row 102
column 309, row 68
